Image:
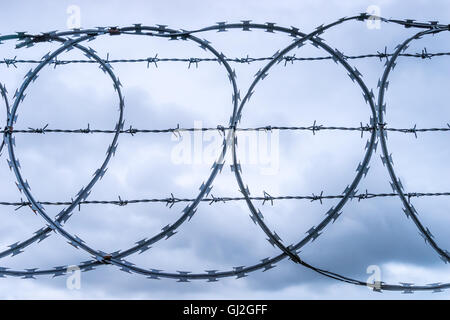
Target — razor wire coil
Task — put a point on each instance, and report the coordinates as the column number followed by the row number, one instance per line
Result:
column 377, row 130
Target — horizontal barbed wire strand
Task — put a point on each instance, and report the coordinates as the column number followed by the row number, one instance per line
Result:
column 214, row 199
column 313, row 128
column 195, row 60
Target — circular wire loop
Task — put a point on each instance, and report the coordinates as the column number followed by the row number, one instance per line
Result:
column 396, row 184
column 350, row 191
column 22, row 184
column 143, row 245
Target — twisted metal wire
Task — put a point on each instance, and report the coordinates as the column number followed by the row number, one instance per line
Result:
column 243, row 60
column 314, row 128
column 221, row 129
column 117, row 258
column 211, row 199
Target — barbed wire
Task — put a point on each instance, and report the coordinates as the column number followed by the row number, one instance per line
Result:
column 243, row 60
column 73, row 39
column 221, row 129
column 387, row 158
column 266, row 198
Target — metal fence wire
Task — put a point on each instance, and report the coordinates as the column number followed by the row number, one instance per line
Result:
column 376, row 130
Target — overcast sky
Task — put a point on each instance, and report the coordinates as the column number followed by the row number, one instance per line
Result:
column 220, row 236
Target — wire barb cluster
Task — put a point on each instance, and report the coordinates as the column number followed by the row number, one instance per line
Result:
column 377, row 130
